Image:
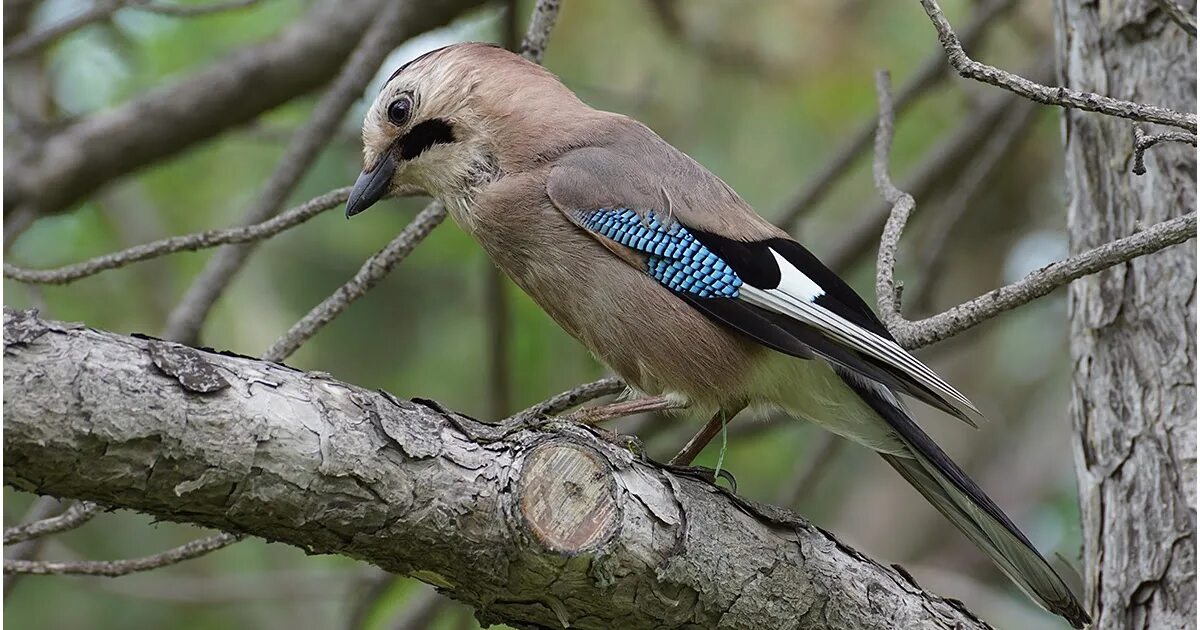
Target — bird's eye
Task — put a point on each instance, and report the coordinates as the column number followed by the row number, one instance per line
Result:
column 399, row 110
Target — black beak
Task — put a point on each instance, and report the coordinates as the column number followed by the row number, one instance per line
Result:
column 371, row 185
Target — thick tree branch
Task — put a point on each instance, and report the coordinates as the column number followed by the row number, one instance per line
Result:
column 1061, row 96
column 539, row 528
column 73, row 163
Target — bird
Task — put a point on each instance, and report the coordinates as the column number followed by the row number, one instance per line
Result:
column 666, row 275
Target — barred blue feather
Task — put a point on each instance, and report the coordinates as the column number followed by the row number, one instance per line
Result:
column 674, row 257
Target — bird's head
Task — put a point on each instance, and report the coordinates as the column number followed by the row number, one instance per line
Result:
column 447, row 121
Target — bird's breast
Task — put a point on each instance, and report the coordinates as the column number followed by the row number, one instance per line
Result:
column 637, row 327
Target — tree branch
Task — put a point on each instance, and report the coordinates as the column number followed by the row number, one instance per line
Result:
column 378, row 266
column 375, row 269
column 102, row 10
column 186, row 319
column 958, row 202
column 1061, row 96
column 1044, row 281
column 1141, row 142
column 942, row 161
column 104, row 146
column 1041, row 282
column 117, row 568
column 187, row 242
column 543, row 527
column 1179, row 15
column 75, row 515
column 931, row 72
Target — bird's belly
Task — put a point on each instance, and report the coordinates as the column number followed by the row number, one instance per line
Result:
column 647, row 335
column 811, row 390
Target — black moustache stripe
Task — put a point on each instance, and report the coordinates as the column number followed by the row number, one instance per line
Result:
column 425, row 135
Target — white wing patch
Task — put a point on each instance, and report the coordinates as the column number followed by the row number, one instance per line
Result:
column 793, row 282
column 796, row 303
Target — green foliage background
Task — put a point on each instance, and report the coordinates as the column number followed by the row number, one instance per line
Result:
column 763, row 125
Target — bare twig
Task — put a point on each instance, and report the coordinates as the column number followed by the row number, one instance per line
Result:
column 931, row 72
column 1061, row 96
column 959, row 201
column 1045, row 280
column 117, row 568
column 381, row 264
column 42, row 508
column 185, row 321
column 1041, row 282
column 1179, row 15
column 887, row 292
column 947, row 158
column 32, row 42
column 944, row 159
column 74, row 516
column 1141, row 142
column 537, row 34
column 572, row 398
column 187, row 242
column 376, row 268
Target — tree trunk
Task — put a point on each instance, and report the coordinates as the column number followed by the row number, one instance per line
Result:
column 1132, row 326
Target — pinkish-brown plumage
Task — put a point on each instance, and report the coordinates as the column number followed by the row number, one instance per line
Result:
column 521, row 162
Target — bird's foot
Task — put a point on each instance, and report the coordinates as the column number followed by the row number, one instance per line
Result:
column 704, row 473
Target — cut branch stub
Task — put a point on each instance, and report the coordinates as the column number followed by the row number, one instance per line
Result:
column 567, row 497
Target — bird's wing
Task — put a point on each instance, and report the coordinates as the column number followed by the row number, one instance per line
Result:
column 659, row 210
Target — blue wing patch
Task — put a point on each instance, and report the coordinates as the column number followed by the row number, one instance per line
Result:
column 674, row 257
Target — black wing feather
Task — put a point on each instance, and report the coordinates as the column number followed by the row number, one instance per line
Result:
column 756, row 266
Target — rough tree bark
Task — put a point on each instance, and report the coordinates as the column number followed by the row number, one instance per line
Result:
column 1132, row 326
column 538, row 527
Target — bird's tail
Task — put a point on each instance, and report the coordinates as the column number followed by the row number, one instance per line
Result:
column 960, row 500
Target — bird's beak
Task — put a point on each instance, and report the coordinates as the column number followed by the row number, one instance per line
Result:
column 371, row 185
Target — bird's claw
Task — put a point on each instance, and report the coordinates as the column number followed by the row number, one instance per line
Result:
column 704, row 473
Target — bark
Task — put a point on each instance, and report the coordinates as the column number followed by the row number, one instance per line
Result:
column 54, row 174
column 1132, row 326
column 536, row 527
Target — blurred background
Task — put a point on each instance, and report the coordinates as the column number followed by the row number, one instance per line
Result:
column 764, row 94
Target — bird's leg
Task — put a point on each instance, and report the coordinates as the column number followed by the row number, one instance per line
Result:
column 600, row 413
column 703, row 437
column 682, row 461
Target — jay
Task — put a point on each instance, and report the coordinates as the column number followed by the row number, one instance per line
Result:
column 664, row 273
